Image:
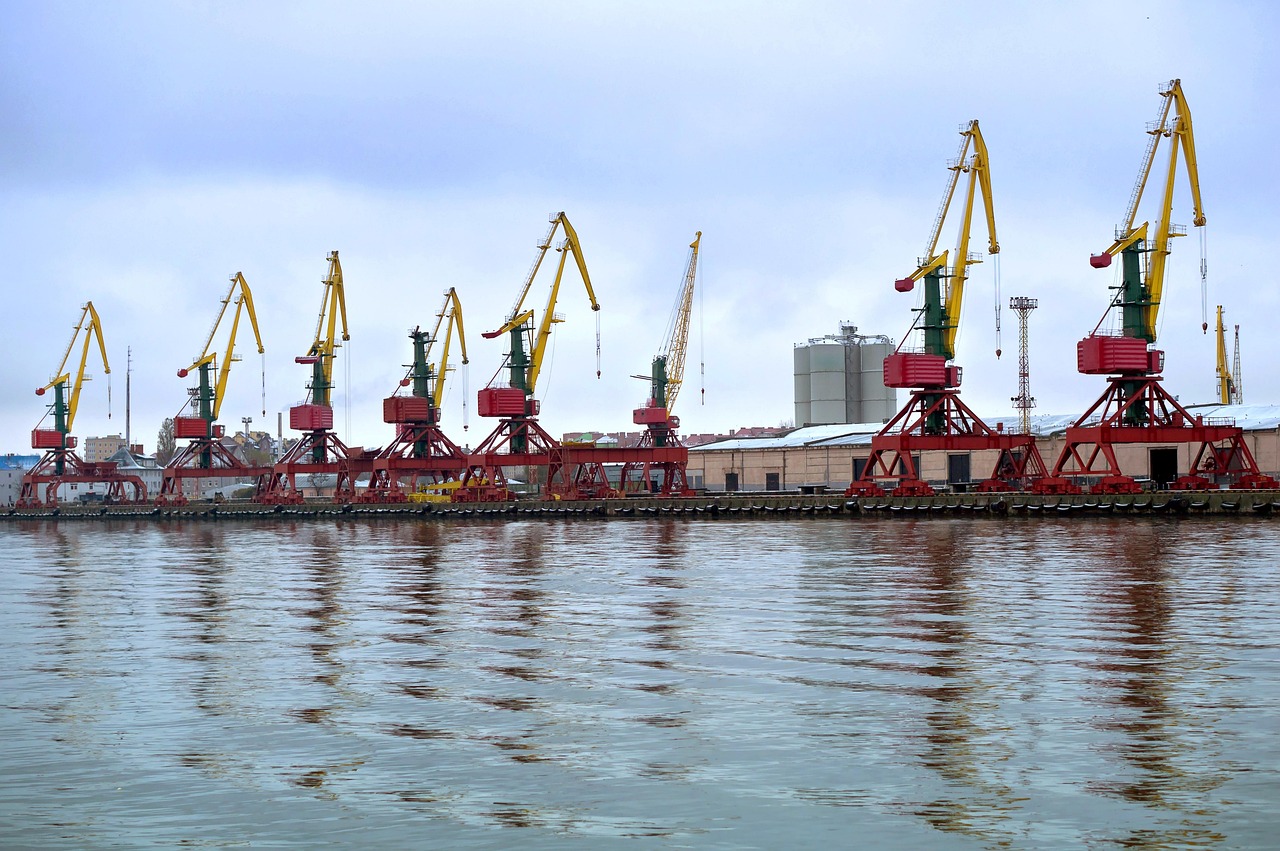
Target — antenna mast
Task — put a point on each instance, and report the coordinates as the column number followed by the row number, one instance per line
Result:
column 1024, row 401
column 1237, row 388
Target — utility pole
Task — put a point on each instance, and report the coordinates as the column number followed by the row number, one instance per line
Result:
column 128, row 381
column 1024, row 401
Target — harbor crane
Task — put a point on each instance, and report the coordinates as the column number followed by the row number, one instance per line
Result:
column 934, row 417
column 665, row 379
column 60, row 463
column 318, row 452
column 205, row 456
column 421, row 449
column 519, row 440
column 1135, row 408
column 1226, row 381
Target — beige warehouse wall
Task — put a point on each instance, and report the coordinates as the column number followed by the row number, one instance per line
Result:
column 832, row 466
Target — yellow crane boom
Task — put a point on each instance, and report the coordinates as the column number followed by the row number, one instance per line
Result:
column 1142, row 291
column 65, row 409
column 941, row 317
column 526, row 369
column 450, row 315
column 333, row 306
column 1226, row 382
column 209, row 355
column 678, row 328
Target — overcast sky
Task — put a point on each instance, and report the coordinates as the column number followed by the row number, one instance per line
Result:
column 151, row 150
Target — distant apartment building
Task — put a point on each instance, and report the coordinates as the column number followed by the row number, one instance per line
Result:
column 99, row 449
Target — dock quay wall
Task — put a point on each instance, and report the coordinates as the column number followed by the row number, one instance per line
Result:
column 713, row 507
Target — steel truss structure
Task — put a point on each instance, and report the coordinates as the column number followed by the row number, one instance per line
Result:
column 937, row 419
column 1138, row 410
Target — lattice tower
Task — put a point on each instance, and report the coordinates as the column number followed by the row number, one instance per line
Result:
column 1237, row 387
column 1024, row 401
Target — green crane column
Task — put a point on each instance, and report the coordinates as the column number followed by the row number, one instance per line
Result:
column 204, row 409
column 659, row 379
column 519, row 366
column 934, row 341
column 1134, row 301
column 422, row 386
column 60, row 423
column 320, row 387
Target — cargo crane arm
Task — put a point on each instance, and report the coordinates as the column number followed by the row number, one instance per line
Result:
column 521, row 320
column 333, row 305
column 1144, row 295
column 972, row 160
column 449, row 317
column 92, row 330
column 1226, row 382
column 209, row 357
column 667, row 374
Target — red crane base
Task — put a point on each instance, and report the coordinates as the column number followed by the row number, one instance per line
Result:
column 225, row 465
column 300, row 460
column 75, row 471
column 483, row 480
column 442, row 461
column 637, row 477
column 1089, row 450
column 936, row 419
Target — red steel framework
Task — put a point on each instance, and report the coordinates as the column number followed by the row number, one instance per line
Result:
column 656, row 470
column 75, row 471
column 420, row 451
column 936, row 419
column 206, row 457
column 1138, row 410
column 484, row 479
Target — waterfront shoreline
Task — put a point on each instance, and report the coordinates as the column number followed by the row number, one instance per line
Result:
column 1156, row 503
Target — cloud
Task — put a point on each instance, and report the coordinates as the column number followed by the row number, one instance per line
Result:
column 155, row 150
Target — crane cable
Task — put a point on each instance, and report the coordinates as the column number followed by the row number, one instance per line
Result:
column 466, row 416
column 702, row 335
column 1204, row 280
column 346, row 394
column 997, row 289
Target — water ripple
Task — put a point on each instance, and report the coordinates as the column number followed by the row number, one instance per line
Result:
column 735, row 684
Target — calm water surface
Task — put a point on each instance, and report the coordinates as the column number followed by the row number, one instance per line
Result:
column 711, row 684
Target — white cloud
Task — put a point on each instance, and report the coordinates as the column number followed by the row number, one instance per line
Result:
column 155, row 150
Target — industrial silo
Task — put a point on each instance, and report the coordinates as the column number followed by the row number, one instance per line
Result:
column 852, row 387
column 826, row 382
column 803, row 408
column 839, row 379
column 879, row 403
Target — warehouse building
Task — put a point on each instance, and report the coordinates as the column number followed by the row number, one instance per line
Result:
column 829, row 457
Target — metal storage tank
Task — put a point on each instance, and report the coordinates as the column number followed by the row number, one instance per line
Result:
column 852, row 387
column 879, row 403
column 826, row 382
column 802, row 397
column 839, row 379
